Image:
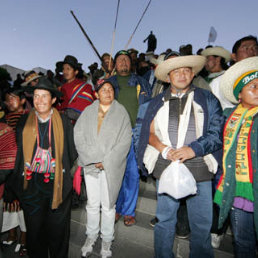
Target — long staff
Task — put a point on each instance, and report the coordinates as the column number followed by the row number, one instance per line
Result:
column 130, row 39
column 85, row 34
column 113, row 37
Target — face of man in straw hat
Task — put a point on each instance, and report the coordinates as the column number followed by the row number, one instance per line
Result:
column 213, row 64
column 249, row 94
column 181, row 79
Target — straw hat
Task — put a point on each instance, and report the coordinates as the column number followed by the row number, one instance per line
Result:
column 29, row 77
column 217, row 51
column 234, row 73
column 158, row 60
column 164, row 68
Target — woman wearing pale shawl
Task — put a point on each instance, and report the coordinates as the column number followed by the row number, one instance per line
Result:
column 102, row 137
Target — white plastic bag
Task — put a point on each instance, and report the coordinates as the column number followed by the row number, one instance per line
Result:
column 177, row 181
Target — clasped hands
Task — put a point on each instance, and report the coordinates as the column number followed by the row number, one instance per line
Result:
column 99, row 165
column 180, row 154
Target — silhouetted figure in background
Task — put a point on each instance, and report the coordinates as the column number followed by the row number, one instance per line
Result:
column 17, row 83
column 186, row 50
column 152, row 42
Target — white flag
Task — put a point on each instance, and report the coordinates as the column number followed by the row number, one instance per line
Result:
column 212, row 35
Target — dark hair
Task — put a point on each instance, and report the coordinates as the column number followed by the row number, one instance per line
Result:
column 101, row 82
column 17, row 92
column 223, row 63
column 239, row 42
column 52, row 94
column 104, row 55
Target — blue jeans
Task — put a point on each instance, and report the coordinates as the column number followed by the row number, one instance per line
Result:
column 199, row 208
column 244, row 233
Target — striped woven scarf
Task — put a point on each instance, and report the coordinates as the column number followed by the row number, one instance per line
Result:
column 238, row 128
column 8, row 148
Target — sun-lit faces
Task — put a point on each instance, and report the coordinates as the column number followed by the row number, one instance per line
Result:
column 69, row 73
column 248, row 48
column 43, row 102
column 105, row 62
column 181, row 79
column 34, row 82
column 213, row 64
column 14, row 103
column 249, row 94
column 123, row 65
column 106, row 94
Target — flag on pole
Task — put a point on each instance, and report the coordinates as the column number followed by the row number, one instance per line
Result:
column 212, row 35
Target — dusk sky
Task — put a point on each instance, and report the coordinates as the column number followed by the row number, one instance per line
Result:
column 41, row 32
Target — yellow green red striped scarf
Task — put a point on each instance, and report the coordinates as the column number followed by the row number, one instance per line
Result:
column 238, row 128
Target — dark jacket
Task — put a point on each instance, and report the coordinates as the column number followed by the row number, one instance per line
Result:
column 134, row 80
column 209, row 142
column 69, row 155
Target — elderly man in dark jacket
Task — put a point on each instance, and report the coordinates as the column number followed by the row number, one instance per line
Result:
column 131, row 90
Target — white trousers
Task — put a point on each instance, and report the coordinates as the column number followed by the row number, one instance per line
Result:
column 98, row 202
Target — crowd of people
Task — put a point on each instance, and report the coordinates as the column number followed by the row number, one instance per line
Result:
column 130, row 119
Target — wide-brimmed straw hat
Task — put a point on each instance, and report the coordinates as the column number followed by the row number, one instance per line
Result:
column 217, row 51
column 29, row 77
column 237, row 76
column 158, row 60
column 196, row 62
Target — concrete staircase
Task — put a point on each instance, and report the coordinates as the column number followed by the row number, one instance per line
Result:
column 135, row 241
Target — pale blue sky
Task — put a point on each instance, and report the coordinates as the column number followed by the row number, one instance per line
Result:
column 40, row 32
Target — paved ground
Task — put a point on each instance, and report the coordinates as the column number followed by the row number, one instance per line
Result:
column 130, row 242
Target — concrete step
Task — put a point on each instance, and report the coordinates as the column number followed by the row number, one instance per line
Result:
column 181, row 248
column 146, row 205
column 134, row 241
column 148, row 185
column 147, row 198
column 137, row 240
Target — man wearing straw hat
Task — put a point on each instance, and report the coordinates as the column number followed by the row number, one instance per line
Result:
column 216, row 64
column 182, row 105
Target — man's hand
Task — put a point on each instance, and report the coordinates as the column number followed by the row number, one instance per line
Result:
column 181, row 154
column 99, row 165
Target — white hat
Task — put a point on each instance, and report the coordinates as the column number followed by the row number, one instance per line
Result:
column 234, row 74
column 158, row 60
column 196, row 62
column 217, row 51
column 29, row 77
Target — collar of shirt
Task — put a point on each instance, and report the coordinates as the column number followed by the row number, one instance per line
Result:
column 41, row 120
column 168, row 95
